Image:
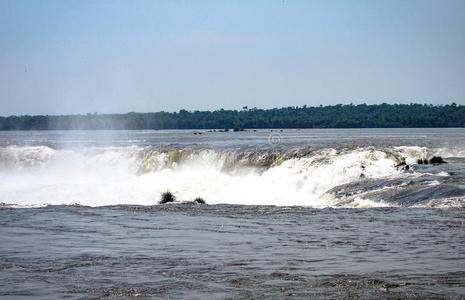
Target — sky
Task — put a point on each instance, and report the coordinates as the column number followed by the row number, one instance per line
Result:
column 79, row 56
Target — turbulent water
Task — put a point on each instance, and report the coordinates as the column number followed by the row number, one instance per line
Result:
column 291, row 214
column 319, row 168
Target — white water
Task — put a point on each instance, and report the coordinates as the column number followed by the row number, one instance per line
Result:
column 36, row 176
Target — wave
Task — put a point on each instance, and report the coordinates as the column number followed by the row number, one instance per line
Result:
column 35, row 176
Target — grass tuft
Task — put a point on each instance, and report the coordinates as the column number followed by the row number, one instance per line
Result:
column 199, row 201
column 436, row 160
column 167, row 197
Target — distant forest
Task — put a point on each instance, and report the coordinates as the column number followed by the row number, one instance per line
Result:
column 336, row 116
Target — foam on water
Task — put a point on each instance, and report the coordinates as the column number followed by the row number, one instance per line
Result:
column 34, row 176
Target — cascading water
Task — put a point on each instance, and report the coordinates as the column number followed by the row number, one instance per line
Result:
column 37, row 176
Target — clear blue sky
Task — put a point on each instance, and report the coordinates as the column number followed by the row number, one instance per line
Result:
column 60, row 57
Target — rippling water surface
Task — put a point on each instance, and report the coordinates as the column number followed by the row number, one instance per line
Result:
column 223, row 251
column 328, row 214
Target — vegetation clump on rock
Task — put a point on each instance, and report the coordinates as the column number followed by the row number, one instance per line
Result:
column 199, row 200
column 167, row 197
column 238, row 128
column 436, row 160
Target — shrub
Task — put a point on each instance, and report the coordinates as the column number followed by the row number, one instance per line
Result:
column 199, row 201
column 422, row 161
column 436, row 160
column 167, row 197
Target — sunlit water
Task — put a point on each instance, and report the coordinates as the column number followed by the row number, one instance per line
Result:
column 292, row 213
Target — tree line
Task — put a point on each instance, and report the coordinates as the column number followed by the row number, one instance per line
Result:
column 334, row 116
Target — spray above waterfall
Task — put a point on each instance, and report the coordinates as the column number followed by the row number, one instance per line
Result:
column 97, row 176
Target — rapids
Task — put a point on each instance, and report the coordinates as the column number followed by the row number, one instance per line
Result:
column 328, row 177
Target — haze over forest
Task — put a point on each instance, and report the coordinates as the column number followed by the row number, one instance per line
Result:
column 337, row 116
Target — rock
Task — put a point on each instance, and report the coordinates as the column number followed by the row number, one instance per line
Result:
column 401, row 164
